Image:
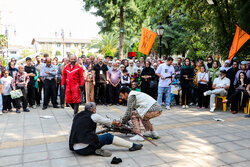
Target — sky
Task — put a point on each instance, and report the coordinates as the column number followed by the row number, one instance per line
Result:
column 42, row 18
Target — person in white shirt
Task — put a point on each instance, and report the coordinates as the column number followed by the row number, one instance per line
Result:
column 202, row 78
column 125, row 79
column 6, row 82
column 166, row 74
column 220, row 86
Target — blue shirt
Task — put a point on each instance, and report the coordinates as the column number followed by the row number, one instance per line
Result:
column 52, row 70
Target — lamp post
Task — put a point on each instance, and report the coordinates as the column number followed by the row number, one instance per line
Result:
column 160, row 30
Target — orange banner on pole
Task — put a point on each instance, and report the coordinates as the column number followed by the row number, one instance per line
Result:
column 147, row 41
column 240, row 38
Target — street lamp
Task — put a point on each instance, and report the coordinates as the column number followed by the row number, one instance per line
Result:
column 160, row 30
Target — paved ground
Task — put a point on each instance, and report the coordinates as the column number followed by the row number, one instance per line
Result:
column 188, row 138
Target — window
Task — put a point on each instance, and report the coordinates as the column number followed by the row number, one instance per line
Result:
column 68, row 45
column 58, row 45
column 76, row 45
column 12, row 52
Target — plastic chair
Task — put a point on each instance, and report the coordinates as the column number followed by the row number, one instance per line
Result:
column 247, row 108
column 224, row 104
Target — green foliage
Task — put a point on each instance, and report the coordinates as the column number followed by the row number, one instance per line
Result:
column 107, row 44
column 26, row 52
column 4, row 61
column 58, row 53
column 3, row 41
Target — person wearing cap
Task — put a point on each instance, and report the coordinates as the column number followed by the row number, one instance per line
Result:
column 31, row 71
column 220, row 88
column 243, row 68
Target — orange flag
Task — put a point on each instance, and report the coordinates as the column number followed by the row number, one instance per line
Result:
column 147, row 41
column 240, row 38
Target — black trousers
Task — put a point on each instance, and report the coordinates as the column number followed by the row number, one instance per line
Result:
column 114, row 94
column 83, row 95
column 235, row 98
column 22, row 99
column 186, row 91
column 100, row 93
column 7, row 102
column 38, row 92
column 31, row 95
column 49, row 91
column 62, row 95
column 202, row 100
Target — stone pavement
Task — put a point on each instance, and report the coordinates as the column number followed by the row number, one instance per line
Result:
column 189, row 137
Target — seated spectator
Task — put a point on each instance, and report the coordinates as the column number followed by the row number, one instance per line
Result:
column 220, row 86
column 134, row 87
column 248, row 91
column 240, row 94
column 226, row 65
column 125, row 80
column 243, row 68
column 202, row 79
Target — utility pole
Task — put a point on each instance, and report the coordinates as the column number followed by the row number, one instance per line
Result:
column 121, row 33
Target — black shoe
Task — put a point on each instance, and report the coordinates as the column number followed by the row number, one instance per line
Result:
column 44, row 107
column 55, row 106
column 62, row 106
column 136, row 147
column 116, row 160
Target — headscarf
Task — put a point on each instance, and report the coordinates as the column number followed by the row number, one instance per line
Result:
column 214, row 70
column 185, row 66
column 210, row 65
column 224, row 67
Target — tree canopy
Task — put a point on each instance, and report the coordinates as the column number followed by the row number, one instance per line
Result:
column 192, row 28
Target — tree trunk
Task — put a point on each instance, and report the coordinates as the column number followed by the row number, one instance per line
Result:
column 121, row 33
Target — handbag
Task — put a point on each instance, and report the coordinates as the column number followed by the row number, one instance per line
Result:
column 153, row 84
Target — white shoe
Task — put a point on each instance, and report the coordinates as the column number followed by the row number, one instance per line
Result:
column 155, row 134
column 168, row 107
column 1, row 112
column 34, row 106
column 183, row 106
column 147, row 134
column 136, row 138
column 187, row 106
column 211, row 110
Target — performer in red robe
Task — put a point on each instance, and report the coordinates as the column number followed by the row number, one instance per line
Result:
column 73, row 76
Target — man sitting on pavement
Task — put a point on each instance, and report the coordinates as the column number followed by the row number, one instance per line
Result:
column 220, row 86
column 84, row 141
column 140, row 107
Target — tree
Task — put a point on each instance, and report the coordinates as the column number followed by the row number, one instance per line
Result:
column 58, row 53
column 3, row 41
column 26, row 52
column 107, row 45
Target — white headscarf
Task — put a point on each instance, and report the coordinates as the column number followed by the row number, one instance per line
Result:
column 226, row 68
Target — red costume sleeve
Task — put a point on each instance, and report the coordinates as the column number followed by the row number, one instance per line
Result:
column 64, row 76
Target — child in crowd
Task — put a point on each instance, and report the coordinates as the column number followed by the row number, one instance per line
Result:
column 202, row 78
column 175, row 89
column 6, row 81
column 138, row 78
column 125, row 80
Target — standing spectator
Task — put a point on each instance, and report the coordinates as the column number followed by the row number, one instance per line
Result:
column 92, row 60
column 73, row 75
column 202, row 79
column 142, row 62
column 231, row 75
column 122, row 67
column 166, row 73
column 6, row 82
column 109, row 65
column 147, row 77
column 90, row 84
column 12, row 69
column 132, row 70
column 240, row 95
column 20, row 81
column 178, row 67
column 65, row 62
column 213, row 73
column 138, row 78
column 125, row 63
column 2, row 68
column 39, row 65
column 83, row 93
column 48, row 76
column 186, row 78
column 210, row 62
column 101, row 78
column 155, row 66
column 220, row 86
column 243, row 68
column 114, row 81
column 31, row 71
column 1, row 99
column 125, row 80
column 138, row 65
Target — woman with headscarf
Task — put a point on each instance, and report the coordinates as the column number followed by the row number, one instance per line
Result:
column 147, row 75
column 12, row 69
column 226, row 66
column 186, row 77
column 231, row 75
column 210, row 61
column 213, row 73
column 132, row 70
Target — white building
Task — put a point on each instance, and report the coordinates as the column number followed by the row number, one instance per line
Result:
column 59, row 46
